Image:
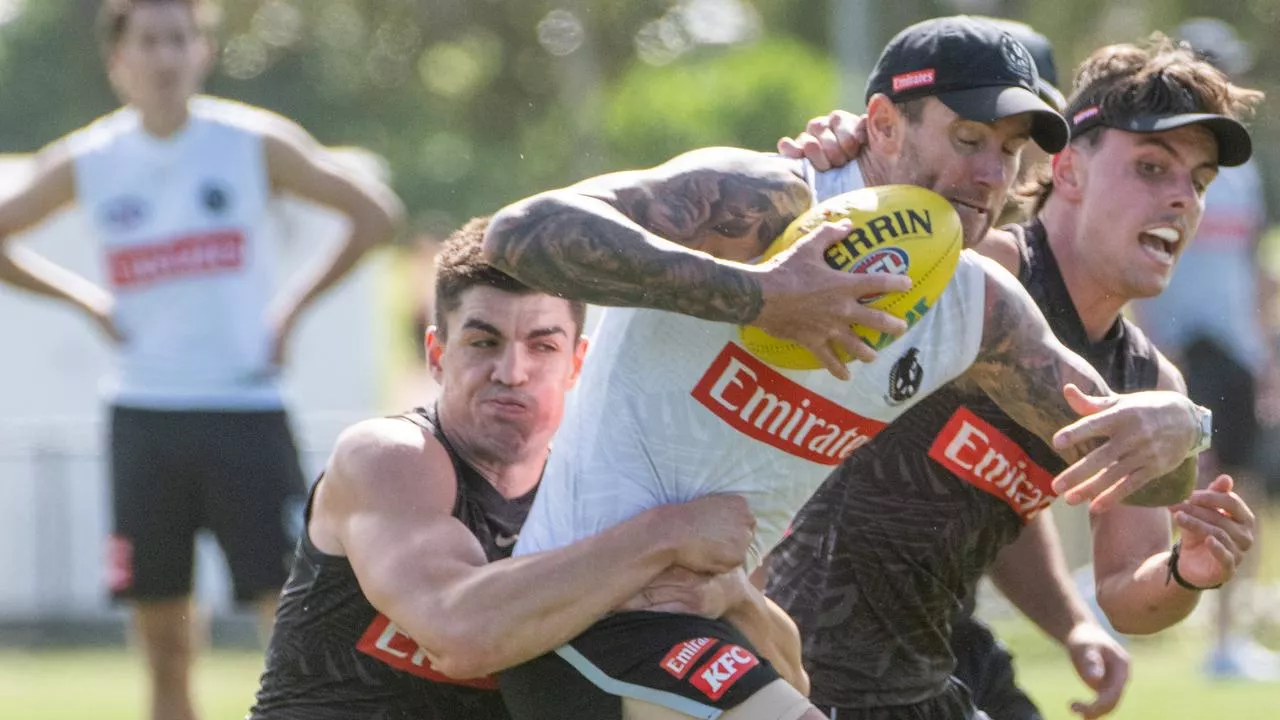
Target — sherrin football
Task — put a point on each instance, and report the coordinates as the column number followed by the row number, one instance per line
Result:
column 901, row 229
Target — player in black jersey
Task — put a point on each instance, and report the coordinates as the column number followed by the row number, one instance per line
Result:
column 893, row 543
column 403, row 597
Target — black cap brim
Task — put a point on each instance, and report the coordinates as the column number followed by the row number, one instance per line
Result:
column 989, row 104
column 1234, row 144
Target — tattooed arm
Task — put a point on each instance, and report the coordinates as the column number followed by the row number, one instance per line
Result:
column 676, row 237
column 1023, row 367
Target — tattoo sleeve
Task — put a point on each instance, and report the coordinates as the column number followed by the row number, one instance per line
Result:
column 671, row 238
column 1023, row 366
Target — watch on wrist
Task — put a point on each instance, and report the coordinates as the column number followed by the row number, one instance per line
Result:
column 1204, row 418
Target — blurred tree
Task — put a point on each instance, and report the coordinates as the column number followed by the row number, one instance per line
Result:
column 477, row 102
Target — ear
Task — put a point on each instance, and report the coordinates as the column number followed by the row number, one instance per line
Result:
column 1070, row 167
column 579, row 354
column 885, row 126
column 435, row 349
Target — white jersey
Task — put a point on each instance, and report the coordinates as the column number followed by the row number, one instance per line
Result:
column 671, row 408
column 181, row 221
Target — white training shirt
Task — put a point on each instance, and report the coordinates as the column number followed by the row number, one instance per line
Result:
column 671, row 408
column 181, row 221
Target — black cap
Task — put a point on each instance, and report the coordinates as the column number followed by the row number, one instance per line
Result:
column 1042, row 53
column 978, row 70
column 1234, row 144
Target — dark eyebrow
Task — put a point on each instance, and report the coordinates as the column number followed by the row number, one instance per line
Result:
column 548, row 331
column 1168, row 147
column 482, row 326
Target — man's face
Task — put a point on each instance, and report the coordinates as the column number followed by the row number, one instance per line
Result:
column 972, row 164
column 1141, row 197
column 504, row 366
column 161, row 59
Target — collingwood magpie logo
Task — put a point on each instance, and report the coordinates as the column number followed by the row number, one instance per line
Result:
column 904, row 378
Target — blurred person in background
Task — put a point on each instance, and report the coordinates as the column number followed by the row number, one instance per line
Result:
column 1225, row 348
column 176, row 187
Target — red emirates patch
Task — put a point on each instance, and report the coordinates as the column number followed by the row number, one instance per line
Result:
column 914, row 79
column 684, row 655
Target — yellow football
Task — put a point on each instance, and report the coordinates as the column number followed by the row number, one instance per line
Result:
column 901, row 229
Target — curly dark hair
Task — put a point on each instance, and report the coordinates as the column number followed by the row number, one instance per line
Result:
column 1155, row 77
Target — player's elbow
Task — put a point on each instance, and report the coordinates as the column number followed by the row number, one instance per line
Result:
column 521, row 227
column 380, row 222
column 465, row 652
column 1129, row 618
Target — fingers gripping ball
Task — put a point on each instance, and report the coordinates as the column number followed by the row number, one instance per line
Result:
column 900, row 229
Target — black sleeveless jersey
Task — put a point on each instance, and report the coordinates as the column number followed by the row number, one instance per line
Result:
column 333, row 656
column 883, row 555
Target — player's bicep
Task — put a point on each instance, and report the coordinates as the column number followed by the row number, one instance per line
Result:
column 1168, row 376
column 50, row 187
column 1021, row 365
column 708, row 193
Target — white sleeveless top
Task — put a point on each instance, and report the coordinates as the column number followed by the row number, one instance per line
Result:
column 181, row 221
column 671, row 407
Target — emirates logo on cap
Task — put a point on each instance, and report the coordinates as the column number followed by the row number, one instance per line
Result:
column 914, row 79
column 1085, row 114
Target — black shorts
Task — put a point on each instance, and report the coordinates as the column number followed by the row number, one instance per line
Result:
column 1217, row 381
column 689, row 664
column 985, row 665
column 953, row 703
column 175, row 472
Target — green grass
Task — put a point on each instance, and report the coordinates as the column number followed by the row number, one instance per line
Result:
column 1166, row 684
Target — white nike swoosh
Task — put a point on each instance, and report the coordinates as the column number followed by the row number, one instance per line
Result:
column 505, row 541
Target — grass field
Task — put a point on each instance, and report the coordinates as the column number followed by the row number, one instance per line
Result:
column 1166, row 685
column 108, row 685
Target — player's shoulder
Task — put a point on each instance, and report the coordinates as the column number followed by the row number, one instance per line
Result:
column 376, row 450
column 98, row 134
column 1004, row 247
column 241, row 116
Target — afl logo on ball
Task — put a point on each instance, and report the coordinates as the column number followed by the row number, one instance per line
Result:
column 892, row 260
column 905, row 378
column 215, row 197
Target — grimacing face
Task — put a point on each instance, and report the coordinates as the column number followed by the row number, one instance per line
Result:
column 1141, row 197
column 161, row 59
column 972, row 164
column 504, row 365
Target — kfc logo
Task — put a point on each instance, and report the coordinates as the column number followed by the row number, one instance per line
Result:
column 763, row 404
column 719, row 674
column 986, row 458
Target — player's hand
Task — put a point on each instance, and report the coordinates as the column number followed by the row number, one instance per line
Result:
column 102, row 312
column 1102, row 664
column 712, row 533
column 1144, row 436
column 811, row 303
column 281, row 327
column 1217, row 529
column 832, row 140
column 678, row 590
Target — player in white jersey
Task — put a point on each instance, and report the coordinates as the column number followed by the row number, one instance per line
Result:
column 671, row 407
column 176, row 188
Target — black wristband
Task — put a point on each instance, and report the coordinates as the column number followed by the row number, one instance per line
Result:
column 1174, row 553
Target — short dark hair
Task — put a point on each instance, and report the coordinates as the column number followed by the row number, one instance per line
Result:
column 1156, row 77
column 912, row 110
column 113, row 17
column 460, row 266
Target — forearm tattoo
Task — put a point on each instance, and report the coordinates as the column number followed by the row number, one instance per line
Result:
column 644, row 248
column 1023, row 367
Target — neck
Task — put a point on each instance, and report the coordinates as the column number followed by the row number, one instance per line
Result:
column 1097, row 307
column 164, row 123
column 512, row 478
column 875, row 170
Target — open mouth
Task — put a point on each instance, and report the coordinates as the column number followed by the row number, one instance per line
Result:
column 1161, row 242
